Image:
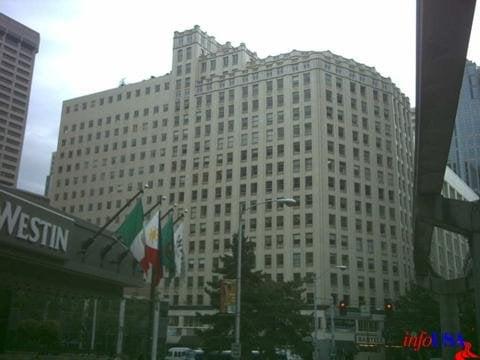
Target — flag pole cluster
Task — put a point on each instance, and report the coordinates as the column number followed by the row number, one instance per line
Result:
column 154, row 250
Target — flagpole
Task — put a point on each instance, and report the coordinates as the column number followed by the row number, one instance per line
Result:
column 180, row 217
column 159, row 202
column 121, row 326
column 153, row 290
column 87, row 243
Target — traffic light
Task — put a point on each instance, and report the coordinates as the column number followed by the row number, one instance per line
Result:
column 342, row 306
column 388, row 308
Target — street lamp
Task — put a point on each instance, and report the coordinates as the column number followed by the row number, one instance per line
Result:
column 286, row 201
column 332, row 314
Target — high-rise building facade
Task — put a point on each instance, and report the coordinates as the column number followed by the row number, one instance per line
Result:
column 464, row 155
column 18, row 47
column 226, row 128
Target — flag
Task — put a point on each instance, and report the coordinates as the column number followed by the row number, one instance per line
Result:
column 179, row 252
column 167, row 252
column 150, row 259
column 130, row 232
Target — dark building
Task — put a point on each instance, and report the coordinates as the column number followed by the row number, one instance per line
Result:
column 46, row 268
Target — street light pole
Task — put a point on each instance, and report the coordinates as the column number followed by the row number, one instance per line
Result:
column 332, row 315
column 239, row 278
column 333, row 354
column 242, row 209
column 315, row 305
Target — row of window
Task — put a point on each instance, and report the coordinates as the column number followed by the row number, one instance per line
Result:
column 13, row 42
column 15, row 64
column 187, row 52
column 280, row 70
column 254, row 76
column 225, row 62
column 199, row 299
column 270, row 169
column 339, row 82
column 342, row 224
column 119, row 97
column 245, row 122
column 155, row 124
column 8, row 76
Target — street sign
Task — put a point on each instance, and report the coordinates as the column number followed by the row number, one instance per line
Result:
column 228, row 291
column 236, row 350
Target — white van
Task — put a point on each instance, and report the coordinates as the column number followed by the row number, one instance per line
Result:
column 180, row 353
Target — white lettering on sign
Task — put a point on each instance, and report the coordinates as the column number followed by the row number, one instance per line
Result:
column 33, row 229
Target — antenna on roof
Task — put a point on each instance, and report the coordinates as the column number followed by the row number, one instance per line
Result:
column 122, row 82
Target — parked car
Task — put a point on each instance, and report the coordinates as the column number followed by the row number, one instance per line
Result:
column 183, row 353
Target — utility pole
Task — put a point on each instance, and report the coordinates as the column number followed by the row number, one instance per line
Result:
column 236, row 346
column 94, row 324
column 238, row 301
column 315, row 314
column 121, row 325
column 156, row 319
column 333, row 354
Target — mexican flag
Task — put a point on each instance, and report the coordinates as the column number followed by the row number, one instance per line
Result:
column 130, row 232
column 150, row 258
column 167, row 251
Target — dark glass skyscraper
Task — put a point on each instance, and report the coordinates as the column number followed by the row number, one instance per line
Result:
column 464, row 156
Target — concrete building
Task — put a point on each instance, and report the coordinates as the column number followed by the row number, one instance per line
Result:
column 18, row 47
column 464, row 156
column 225, row 128
column 450, row 250
column 448, row 256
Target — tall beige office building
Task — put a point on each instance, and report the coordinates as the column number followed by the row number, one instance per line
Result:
column 225, row 128
column 18, row 47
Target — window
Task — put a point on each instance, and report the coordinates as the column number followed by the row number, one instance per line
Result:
column 296, row 260
column 279, row 260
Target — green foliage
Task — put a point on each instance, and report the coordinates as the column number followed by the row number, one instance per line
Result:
column 34, row 335
column 418, row 310
column 415, row 311
column 270, row 317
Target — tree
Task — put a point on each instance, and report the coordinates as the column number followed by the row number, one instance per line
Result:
column 467, row 318
column 270, row 318
column 418, row 310
column 413, row 312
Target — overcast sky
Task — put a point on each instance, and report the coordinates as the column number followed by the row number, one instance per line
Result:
column 88, row 46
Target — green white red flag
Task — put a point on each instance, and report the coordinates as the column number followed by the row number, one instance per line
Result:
column 130, row 231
